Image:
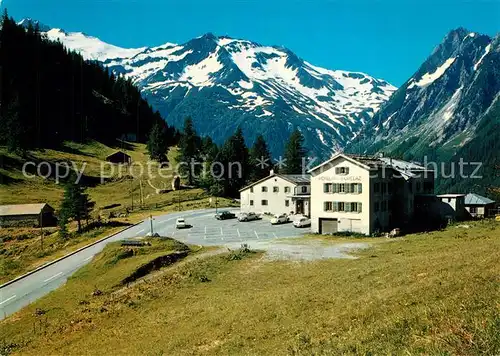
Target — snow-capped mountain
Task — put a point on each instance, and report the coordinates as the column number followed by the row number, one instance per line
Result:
column 440, row 107
column 223, row 83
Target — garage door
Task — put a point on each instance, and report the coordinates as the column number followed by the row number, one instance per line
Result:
column 328, row 226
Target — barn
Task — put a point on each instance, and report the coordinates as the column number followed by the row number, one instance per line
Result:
column 119, row 157
column 27, row 215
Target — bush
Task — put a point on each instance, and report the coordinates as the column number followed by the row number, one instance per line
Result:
column 348, row 234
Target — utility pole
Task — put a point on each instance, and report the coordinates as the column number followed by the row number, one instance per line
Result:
column 41, row 229
column 151, row 223
column 142, row 195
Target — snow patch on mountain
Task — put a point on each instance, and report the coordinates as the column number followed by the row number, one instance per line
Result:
column 429, row 78
column 486, row 51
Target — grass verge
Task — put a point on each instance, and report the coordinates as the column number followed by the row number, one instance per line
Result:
column 433, row 293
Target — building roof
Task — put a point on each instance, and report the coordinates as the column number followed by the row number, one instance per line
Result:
column 292, row 178
column 22, row 209
column 476, row 199
column 405, row 168
column 117, row 153
column 451, row 195
column 296, row 178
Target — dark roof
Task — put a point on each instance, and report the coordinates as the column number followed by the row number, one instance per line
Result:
column 476, row 199
column 405, row 168
column 296, row 178
column 292, row 178
column 117, row 153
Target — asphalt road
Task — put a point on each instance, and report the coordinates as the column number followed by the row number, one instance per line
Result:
column 205, row 230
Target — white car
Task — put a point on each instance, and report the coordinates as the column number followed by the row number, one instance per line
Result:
column 248, row 217
column 180, row 223
column 279, row 219
column 302, row 222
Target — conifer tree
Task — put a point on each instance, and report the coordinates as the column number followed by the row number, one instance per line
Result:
column 157, row 143
column 76, row 204
column 235, row 158
column 260, row 159
column 189, row 151
column 294, row 153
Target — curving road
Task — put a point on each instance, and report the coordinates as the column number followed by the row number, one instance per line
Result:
column 205, row 230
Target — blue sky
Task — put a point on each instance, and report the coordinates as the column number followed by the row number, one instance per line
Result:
column 386, row 39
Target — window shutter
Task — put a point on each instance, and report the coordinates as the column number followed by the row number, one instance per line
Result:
column 335, row 206
column 347, row 207
column 347, row 170
column 325, row 188
column 360, row 188
column 359, row 207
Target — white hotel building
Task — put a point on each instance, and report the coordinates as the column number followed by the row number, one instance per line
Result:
column 365, row 194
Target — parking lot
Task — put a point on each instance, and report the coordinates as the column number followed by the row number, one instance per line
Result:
column 206, row 230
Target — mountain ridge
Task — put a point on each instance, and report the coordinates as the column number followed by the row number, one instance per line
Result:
column 223, row 82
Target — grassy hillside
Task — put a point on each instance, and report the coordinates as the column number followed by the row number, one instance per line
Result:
column 17, row 188
column 434, row 293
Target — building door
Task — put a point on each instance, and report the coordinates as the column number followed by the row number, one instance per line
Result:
column 328, row 226
column 299, row 207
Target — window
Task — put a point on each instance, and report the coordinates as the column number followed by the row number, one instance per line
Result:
column 328, row 188
column 287, row 189
column 473, row 210
column 384, row 206
column 355, row 188
column 376, row 206
column 304, row 189
column 263, row 202
column 342, row 170
column 276, row 189
column 251, row 189
column 341, row 206
column 384, row 187
column 287, row 203
column 376, row 188
column 251, row 202
column 264, row 189
column 341, row 188
column 328, row 206
column 389, row 188
column 356, row 207
column 449, row 200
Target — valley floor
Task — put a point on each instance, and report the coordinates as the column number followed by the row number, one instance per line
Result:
column 432, row 293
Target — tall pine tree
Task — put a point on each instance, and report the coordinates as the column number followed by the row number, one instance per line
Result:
column 260, row 159
column 76, row 204
column 157, row 143
column 294, row 153
column 189, row 151
column 235, row 158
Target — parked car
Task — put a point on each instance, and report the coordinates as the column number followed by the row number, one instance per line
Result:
column 223, row 215
column 279, row 219
column 248, row 217
column 302, row 222
column 180, row 223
